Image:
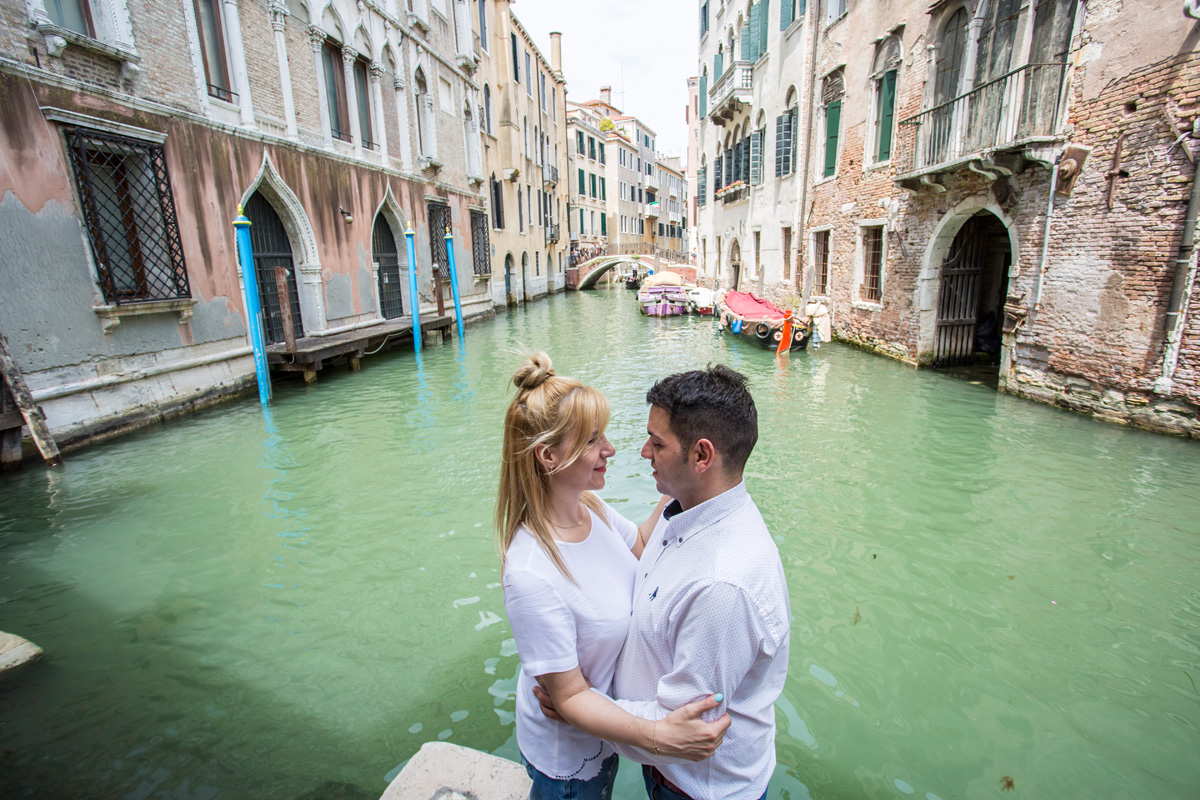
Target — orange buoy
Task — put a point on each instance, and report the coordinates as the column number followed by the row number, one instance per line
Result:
column 785, row 341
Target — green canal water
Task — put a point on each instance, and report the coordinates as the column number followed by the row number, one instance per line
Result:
column 289, row 605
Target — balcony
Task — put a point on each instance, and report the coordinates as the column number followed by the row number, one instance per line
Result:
column 991, row 129
column 652, row 210
column 733, row 192
column 550, row 175
column 552, row 233
column 731, row 93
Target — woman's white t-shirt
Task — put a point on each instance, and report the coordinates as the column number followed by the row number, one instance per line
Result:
column 560, row 625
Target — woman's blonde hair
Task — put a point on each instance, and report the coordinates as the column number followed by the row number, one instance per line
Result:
column 548, row 410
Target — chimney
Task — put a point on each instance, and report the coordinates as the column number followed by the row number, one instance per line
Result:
column 556, row 52
column 606, row 95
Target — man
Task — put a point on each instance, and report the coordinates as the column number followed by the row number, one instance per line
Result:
column 710, row 610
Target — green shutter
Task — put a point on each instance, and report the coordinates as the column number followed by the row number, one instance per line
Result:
column 593, row 177
column 887, row 113
column 604, row 225
column 786, row 17
column 703, row 95
column 746, row 40
column 581, row 231
column 603, row 190
column 718, row 65
column 582, row 183
column 763, row 25
column 755, row 23
column 833, row 121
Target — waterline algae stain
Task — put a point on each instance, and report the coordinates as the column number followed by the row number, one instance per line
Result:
column 232, row 606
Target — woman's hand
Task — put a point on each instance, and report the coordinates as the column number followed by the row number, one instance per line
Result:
column 684, row 734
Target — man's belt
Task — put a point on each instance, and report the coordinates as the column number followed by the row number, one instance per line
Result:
column 662, row 780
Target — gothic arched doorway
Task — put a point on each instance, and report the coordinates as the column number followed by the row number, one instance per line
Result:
column 973, row 285
column 387, row 256
column 735, row 264
column 272, row 252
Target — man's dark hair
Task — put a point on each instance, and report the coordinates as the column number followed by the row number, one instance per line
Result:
column 711, row 404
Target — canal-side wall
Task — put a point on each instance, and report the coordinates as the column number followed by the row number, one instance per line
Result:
column 98, row 368
column 1085, row 313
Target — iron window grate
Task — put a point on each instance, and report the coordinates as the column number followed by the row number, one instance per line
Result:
column 872, row 263
column 129, row 211
column 481, row 249
column 439, row 221
column 821, row 245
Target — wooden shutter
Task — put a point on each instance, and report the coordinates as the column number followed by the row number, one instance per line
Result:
column 703, row 95
column 718, row 65
column 887, row 113
column 786, row 17
column 780, row 155
column 833, row 121
column 763, row 27
column 755, row 24
column 746, row 39
column 756, row 158
column 582, row 183
column 793, row 152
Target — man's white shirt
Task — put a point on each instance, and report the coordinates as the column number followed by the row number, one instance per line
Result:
column 711, row 614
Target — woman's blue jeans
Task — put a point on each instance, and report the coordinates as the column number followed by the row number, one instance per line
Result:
column 597, row 788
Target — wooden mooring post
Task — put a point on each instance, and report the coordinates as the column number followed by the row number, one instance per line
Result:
column 30, row 414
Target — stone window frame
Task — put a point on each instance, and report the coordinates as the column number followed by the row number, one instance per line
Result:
column 112, row 31
column 860, row 265
column 883, row 62
column 814, row 232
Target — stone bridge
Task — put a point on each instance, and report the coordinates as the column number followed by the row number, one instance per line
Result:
column 591, row 271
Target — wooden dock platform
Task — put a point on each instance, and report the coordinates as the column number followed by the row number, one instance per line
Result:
column 313, row 352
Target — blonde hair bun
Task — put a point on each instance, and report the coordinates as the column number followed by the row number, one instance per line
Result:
column 536, row 370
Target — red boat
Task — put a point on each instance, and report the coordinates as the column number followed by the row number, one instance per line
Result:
column 756, row 320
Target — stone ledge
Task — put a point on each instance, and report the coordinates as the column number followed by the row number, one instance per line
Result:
column 15, row 651
column 444, row 771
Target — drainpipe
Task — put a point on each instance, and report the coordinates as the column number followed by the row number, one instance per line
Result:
column 805, row 287
column 1037, row 300
column 1181, row 290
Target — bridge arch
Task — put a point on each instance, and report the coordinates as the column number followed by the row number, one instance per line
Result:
column 594, row 270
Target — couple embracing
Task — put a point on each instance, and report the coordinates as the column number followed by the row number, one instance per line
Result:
column 666, row 642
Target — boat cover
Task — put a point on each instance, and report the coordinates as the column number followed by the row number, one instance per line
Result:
column 750, row 306
column 664, row 278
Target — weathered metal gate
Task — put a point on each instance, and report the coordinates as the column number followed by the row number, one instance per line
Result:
column 272, row 249
column 958, row 301
column 439, row 221
column 383, row 247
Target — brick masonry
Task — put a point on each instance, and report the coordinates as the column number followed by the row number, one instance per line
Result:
column 1095, row 342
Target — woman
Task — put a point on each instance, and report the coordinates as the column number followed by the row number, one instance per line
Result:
column 568, row 562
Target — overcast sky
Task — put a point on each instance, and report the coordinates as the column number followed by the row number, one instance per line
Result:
column 653, row 43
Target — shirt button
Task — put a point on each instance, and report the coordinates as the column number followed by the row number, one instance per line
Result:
column 681, row 540
column 664, row 542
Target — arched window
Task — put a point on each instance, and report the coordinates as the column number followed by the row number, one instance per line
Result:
column 884, row 72
column 421, row 95
column 487, row 106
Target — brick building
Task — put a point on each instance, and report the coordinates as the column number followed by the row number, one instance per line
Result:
column 130, row 133
column 1006, row 183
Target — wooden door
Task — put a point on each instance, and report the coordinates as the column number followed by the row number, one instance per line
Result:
column 958, row 300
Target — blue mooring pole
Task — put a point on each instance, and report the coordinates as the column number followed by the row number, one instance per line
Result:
column 454, row 282
column 241, row 227
column 414, row 299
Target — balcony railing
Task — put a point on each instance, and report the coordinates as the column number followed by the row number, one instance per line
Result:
column 552, row 233
column 652, row 210
column 1005, row 112
column 731, row 91
column 549, row 174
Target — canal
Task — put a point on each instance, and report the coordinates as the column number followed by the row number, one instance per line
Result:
column 289, row 605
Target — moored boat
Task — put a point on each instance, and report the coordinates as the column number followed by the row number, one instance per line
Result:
column 700, row 300
column 662, row 295
column 759, row 322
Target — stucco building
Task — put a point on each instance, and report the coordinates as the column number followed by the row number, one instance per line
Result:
column 754, row 89
column 132, row 131
column 587, row 157
column 525, row 152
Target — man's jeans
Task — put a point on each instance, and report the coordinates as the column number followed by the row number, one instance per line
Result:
column 656, row 791
column 598, row 788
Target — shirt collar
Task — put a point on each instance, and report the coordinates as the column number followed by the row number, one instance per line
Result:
column 682, row 525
